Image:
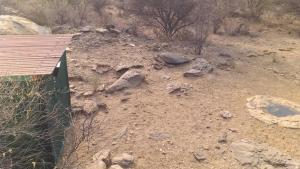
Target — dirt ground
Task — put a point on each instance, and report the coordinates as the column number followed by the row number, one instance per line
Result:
column 162, row 130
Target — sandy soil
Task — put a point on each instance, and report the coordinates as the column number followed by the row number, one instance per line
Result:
column 162, row 130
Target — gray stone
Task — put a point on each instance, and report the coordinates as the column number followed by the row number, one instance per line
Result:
column 260, row 155
column 88, row 93
column 101, row 68
column 174, row 88
column 130, row 79
column 223, row 138
column 86, row 29
column 200, row 68
column 122, row 68
column 124, row 160
column 199, row 155
column 173, row 58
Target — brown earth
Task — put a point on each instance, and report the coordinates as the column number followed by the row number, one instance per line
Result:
column 163, row 130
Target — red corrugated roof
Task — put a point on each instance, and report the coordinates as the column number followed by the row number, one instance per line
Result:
column 31, row 54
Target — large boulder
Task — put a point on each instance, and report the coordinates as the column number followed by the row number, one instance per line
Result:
column 15, row 25
column 130, row 79
column 172, row 58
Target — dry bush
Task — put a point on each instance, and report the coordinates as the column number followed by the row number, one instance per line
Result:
column 294, row 5
column 98, row 5
column 256, row 8
column 170, row 16
column 203, row 19
column 30, row 126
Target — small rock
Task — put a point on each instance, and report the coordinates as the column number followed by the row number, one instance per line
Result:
column 101, row 68
column 178, row 88
column 124, row 160
column 104, row 155
column 130, row 79
column 115, row 31
column 76, row 36
column 122, row 68
column 159, row 136
column 86, row 29
column 157, row 66
column 88, row 93
column 115, row 167
column 131, row 44
column 97, row 165
column 101, row 88
column 226, row 114
column 102, row 30
column 102, row 107
column 199, row 155
column 173, row 58
column 223, row 138
column 166, row 77
column 90, row 107
column 200, row 68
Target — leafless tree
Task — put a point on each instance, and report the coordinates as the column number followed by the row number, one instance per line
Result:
column 170, row 16
column 204, row 15
column 256, row 8
column 98, row 5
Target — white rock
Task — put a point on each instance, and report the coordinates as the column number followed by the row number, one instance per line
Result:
column 124, row 160
column 226, row 114
column 115, row 167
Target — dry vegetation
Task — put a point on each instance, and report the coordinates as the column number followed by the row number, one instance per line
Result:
column 25, row 136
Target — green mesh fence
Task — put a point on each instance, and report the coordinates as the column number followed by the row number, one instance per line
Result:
column 33, row 115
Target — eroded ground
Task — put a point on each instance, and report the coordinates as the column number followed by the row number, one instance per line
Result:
column 162, row 130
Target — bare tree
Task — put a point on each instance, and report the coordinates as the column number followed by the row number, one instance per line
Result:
column 256, row 8
column 203, row 20
column 170, row 16
column 98, row 5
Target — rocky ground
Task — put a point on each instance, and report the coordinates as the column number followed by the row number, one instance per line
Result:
column 181, row 111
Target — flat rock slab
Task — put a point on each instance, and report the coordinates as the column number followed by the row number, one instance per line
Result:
column 254, row 155
column 258, row 108
column 173, row 58
column 130, row 79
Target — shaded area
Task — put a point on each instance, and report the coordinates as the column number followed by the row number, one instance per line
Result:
column 281, row 110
